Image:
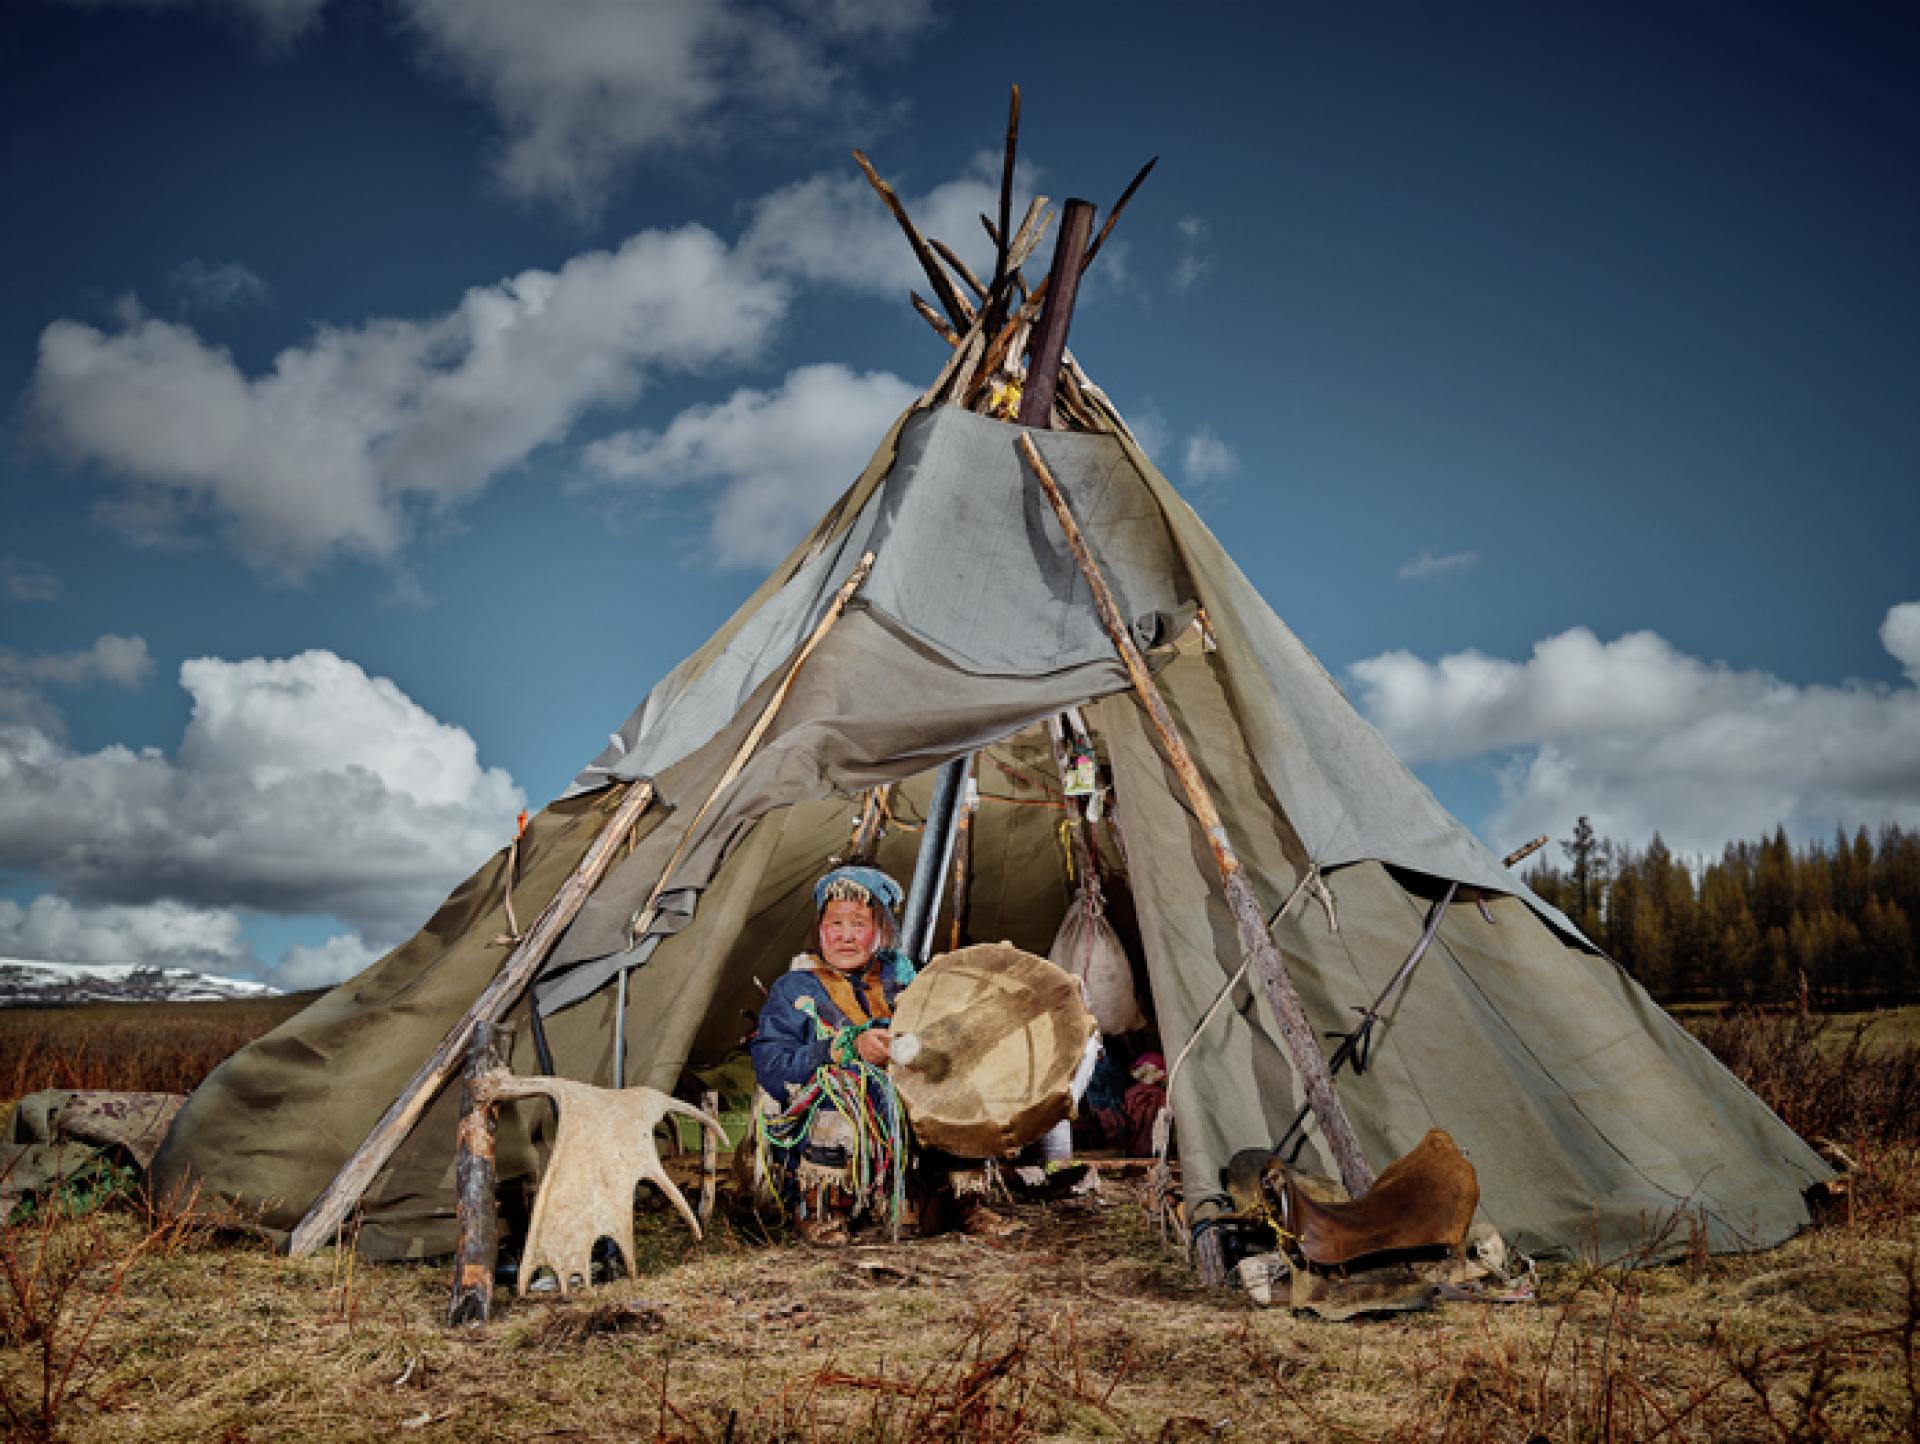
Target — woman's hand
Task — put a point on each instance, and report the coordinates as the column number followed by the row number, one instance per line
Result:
column 876, row 1046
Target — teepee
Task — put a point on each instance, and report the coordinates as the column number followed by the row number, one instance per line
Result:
column 938, row 613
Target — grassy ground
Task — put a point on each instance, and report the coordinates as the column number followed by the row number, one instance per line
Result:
column 118, row 1325
column 1076, row 1327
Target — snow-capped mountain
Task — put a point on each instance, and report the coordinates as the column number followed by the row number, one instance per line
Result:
column 24, row 982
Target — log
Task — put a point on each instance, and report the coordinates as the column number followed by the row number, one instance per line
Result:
column 1249, row 922
column 1050, row 337
column 356, row 1175
column 478, row 1250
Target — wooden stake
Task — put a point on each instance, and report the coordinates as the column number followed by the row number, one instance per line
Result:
column 960, row 268
column 338, row 1198
column 934, row 319
column 1113, row 216
column 478, row 1250
column 944, row 291
column 873, row 817
column 1255, row 944
column 1006, row 190
column 963, row 864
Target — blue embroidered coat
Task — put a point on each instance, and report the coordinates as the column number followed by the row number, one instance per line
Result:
column 787, row 1048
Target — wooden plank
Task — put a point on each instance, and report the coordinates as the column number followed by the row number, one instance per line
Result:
column 1249, row 921
column 337, row 1199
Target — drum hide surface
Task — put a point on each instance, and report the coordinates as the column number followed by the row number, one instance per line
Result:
column 998, row 1034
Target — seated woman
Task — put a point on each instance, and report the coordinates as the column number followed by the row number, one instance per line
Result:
column 838, row 1143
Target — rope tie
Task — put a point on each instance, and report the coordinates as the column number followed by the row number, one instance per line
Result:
column 1163, row 1120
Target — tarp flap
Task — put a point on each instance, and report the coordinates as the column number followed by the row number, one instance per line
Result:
column 869, row 706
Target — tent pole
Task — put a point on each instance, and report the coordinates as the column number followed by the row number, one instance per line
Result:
column 337, row 1199
column 1250, row 922
column 620, row 1032
column 936, row 853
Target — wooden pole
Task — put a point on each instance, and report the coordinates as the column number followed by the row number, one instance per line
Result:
column 963, row 864
column 337, row 1199
column 642, row 920
column 873, row 818
column 1006, row 190
column 1080, row 843
column 478, row 1250
column 1255, row 944
column 1056, row 315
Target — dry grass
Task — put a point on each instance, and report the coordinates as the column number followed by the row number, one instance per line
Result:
column 132, row 1047
column 1076, row 1327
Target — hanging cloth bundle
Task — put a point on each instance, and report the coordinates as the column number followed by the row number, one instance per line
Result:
column 1087, row 947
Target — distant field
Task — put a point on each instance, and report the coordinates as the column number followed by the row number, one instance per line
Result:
column 1886, row 1029
column 159, row 1047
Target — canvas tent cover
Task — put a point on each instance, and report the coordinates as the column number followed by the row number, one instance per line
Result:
column 1589, row 1114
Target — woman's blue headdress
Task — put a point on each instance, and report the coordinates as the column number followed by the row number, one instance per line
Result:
column 857, row 884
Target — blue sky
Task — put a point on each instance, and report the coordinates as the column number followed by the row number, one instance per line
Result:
column 397, row 388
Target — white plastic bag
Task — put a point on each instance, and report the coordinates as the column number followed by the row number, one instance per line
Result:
column 1088, row 947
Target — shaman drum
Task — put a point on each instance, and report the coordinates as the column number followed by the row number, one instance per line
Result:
column 986, row 1042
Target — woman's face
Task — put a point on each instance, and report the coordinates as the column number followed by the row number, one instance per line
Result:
column 847, row 934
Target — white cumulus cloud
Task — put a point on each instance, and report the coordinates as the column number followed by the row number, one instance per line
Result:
column 1643, row 738
column 584, row 88
column 338, row 444
column 1900, row 635
column 163, row 934
column 775, row 459
column 832, row 228
column 25, row 676
column 333, row 961
column 301, row 786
